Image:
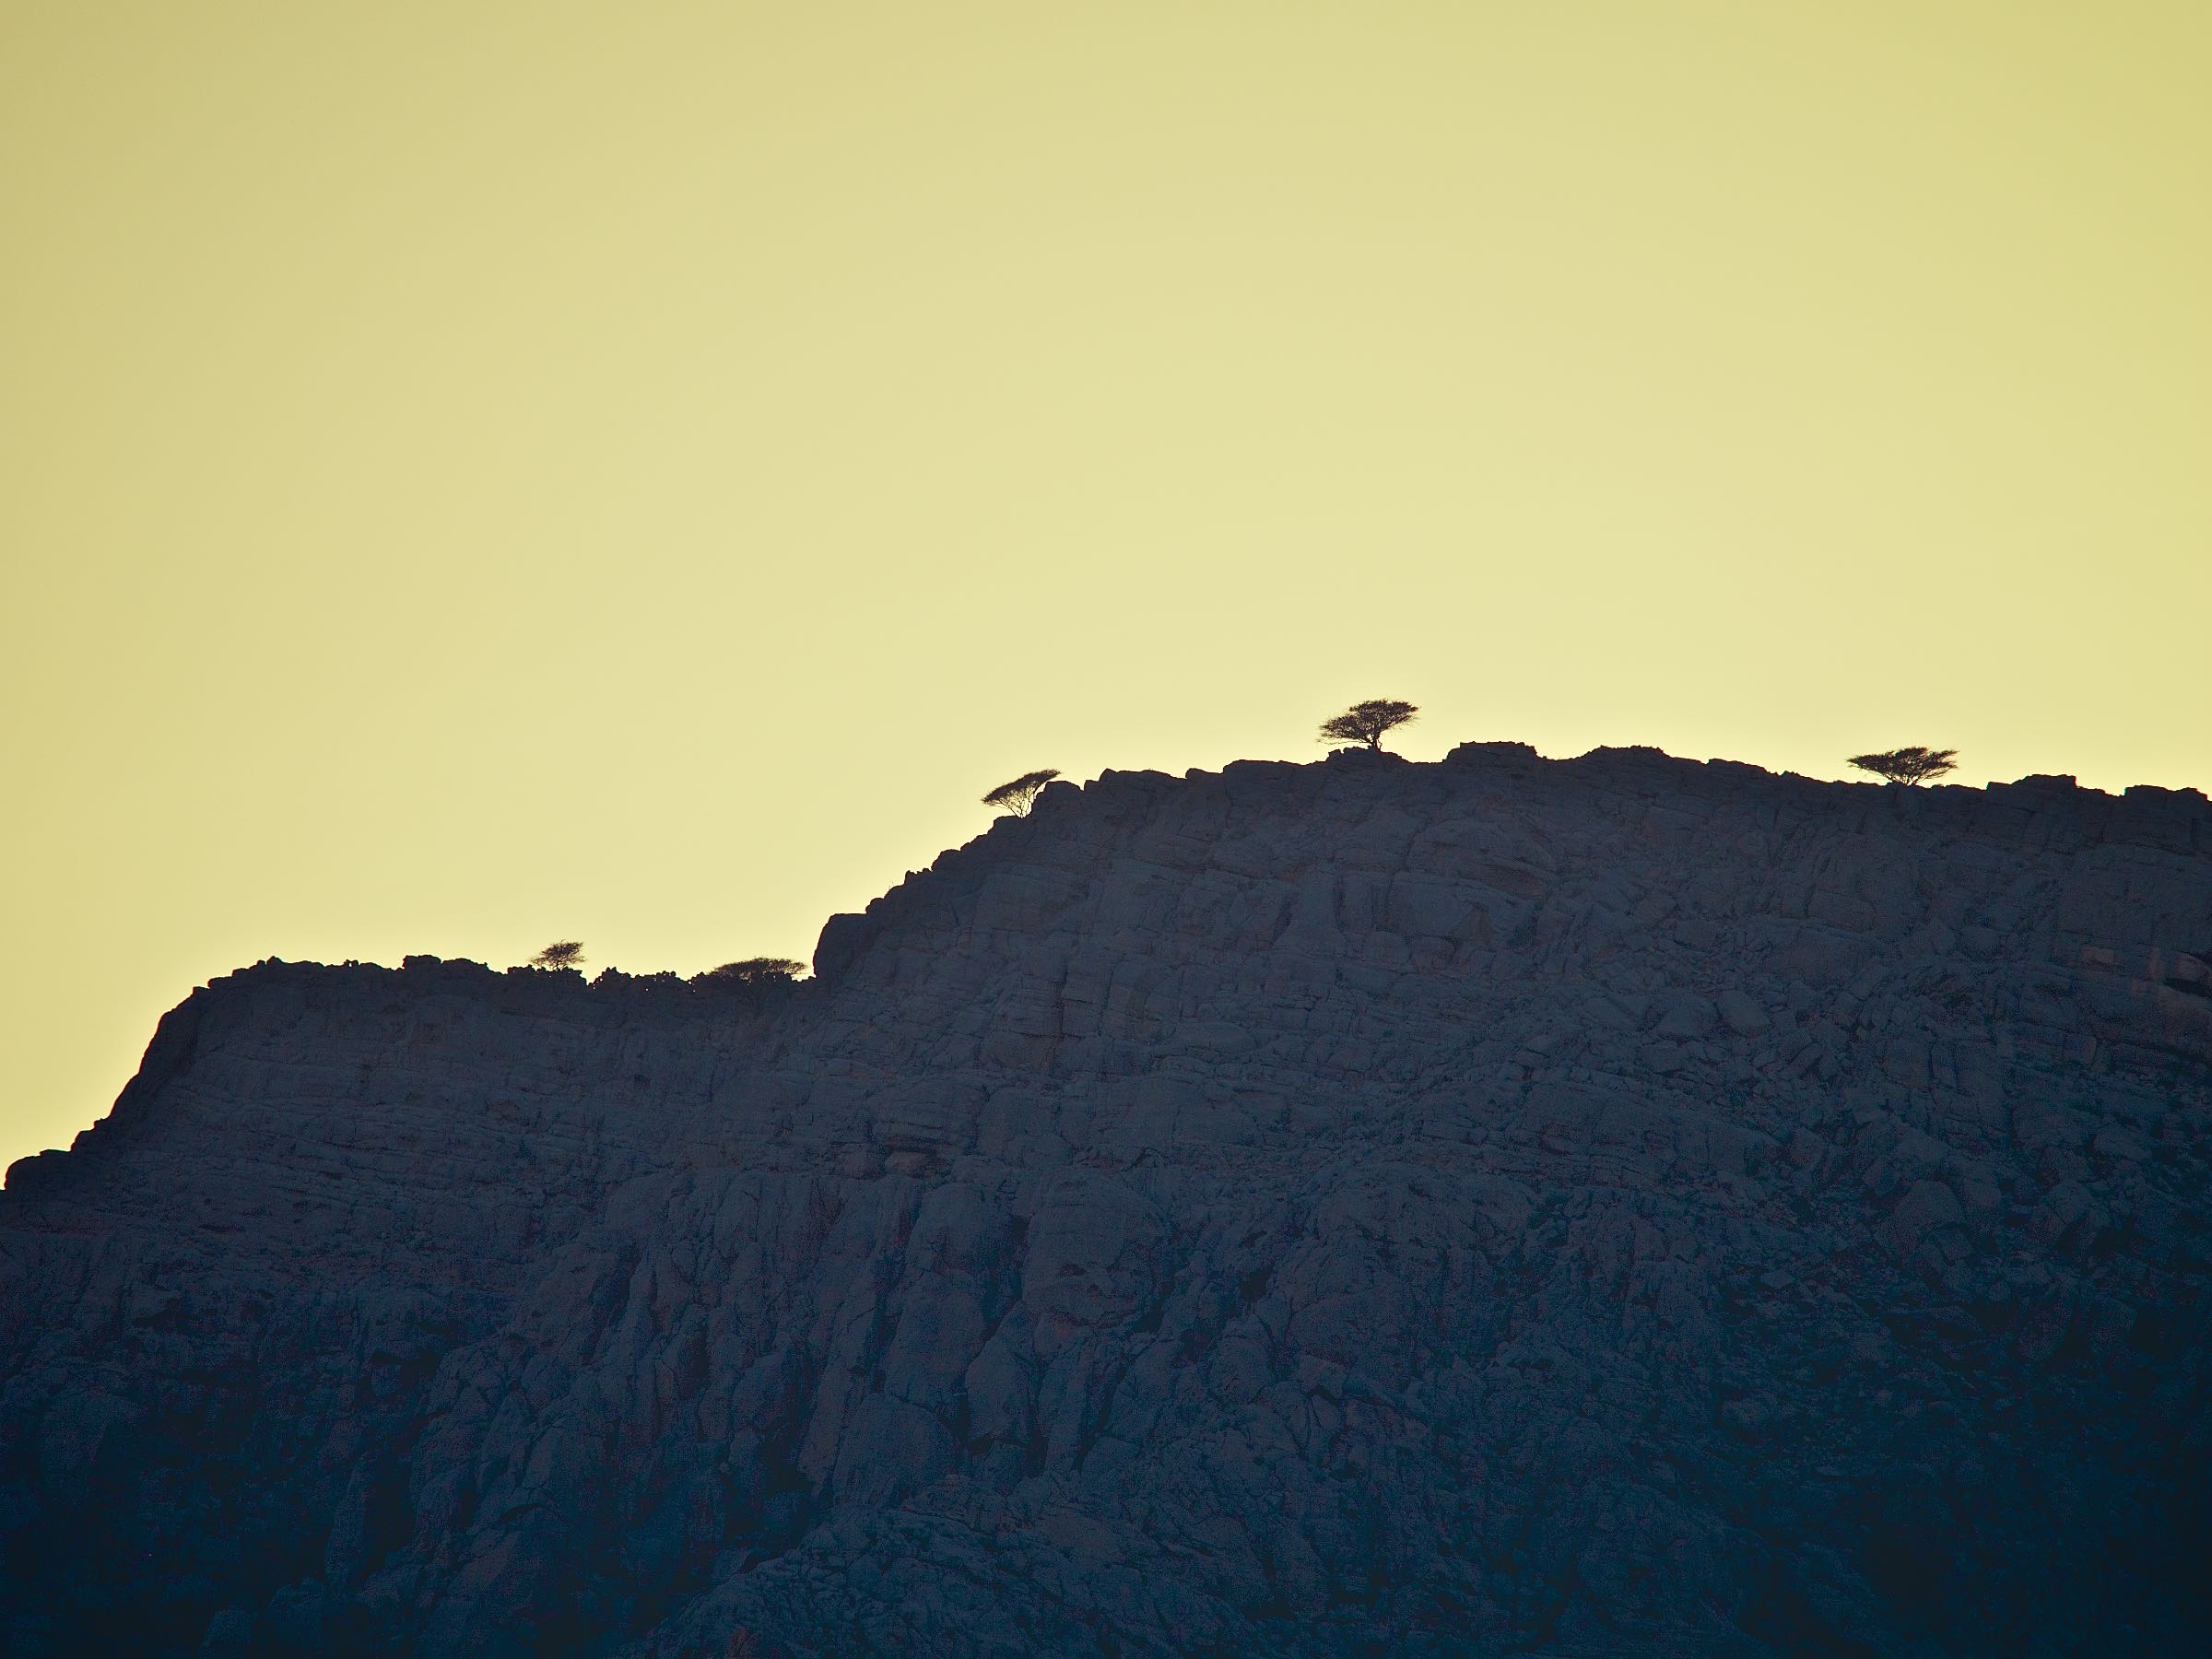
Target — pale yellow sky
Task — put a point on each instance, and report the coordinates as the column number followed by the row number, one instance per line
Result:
column 481, row 471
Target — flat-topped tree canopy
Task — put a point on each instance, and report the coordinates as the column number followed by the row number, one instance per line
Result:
column 755, row 970
column 1911, row 766
column 1366, row 721
column 1018, row 794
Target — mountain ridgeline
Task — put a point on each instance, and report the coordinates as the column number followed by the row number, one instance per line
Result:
column 1616, row 1205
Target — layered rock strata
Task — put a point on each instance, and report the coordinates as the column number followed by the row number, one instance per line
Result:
column 1612, row 1205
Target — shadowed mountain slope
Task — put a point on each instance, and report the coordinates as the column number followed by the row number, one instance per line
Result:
column 1610, row 1206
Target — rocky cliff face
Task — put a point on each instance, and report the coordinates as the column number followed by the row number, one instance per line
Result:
column 1616, row 1205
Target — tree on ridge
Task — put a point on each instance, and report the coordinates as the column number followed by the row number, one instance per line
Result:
column 562, row 953
column 1911, row 765
column 1019, row 795
column 755, row 970
column 1366, row 721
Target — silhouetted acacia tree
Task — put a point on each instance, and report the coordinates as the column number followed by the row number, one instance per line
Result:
column 562, row 953
column 1366, row 721
column 1910, row 767
column 754, row 971
column 1020, row 795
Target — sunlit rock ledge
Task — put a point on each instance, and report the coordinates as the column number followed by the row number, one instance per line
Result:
column 1599, row 1206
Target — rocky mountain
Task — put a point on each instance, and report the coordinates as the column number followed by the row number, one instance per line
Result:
column 1617, row 1206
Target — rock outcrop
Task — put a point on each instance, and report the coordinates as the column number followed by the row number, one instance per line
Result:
column 1613, row 1205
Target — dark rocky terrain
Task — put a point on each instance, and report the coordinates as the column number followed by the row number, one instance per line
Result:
column 1616, row 1205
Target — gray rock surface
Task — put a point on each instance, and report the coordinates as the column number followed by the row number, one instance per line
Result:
column 1612, row 1205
